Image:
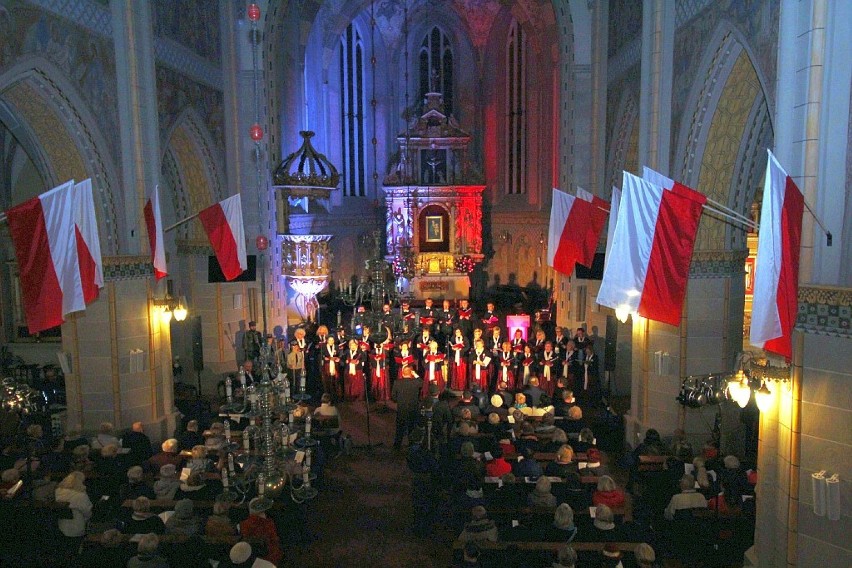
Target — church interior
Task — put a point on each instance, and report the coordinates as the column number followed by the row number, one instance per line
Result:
column 405, row 151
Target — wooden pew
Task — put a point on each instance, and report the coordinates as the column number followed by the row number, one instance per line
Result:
column 548, row 546
column 169, row 505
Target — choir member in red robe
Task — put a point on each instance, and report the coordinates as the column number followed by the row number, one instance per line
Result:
column 433, row 368
column 506, row 366
column 528, row 367
column 458, row 361
column 480, row 361
column 353, row 377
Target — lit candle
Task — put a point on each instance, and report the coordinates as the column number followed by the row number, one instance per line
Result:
column 261, row 484
column 229, row 391
column 228, row 430
column 308, row 425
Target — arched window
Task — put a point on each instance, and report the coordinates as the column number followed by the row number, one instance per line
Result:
column 352, row 104
column 436, row 67
column 516, row 106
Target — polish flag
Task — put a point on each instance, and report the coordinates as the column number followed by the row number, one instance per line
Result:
column 223, row 224
column 88, row 241
column 567, row 235
column 45, row 236
column 776, row 278
column 154, row 223
column 593, row 226
column 613, row 217
column 651, row 249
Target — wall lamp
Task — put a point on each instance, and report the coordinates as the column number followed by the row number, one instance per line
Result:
column 171, row 306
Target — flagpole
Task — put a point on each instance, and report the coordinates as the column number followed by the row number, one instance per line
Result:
column 3, row 218
column 179, row 223
column 729, row 210
column 828, row 236
column 749, row 223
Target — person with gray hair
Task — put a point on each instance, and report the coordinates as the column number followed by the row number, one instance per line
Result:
column 688, row 498
column 169, row 454
column 566, row 557
column 542, row 496
column 645, row 556
column 147, row 556
column 143, row 521
column 136, row 485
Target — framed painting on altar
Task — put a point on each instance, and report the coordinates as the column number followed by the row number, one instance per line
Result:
column 434, row 228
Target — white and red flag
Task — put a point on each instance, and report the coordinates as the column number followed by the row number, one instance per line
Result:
column 46, row 231
column 651, row 249
column 88, row 241
column 571, row 229
column 613, row 218
column 591, row 229
column 223, row 224
column 154, row 223
column 776, row 278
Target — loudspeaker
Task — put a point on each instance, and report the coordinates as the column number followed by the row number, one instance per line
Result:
column 197, row 345
column 611, row 343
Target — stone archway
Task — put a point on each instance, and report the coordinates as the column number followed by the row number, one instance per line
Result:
column 56, row 125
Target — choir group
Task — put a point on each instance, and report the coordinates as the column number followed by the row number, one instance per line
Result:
column 449, row 347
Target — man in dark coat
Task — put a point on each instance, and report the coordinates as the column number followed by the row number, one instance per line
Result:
column 406, row 395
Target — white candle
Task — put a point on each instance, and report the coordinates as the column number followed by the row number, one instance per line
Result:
column 231, row 463
column 246, row 442
column 228, row 430
column 225, row 478
column 308, row 425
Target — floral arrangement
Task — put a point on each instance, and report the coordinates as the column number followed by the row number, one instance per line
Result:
column 464, row 264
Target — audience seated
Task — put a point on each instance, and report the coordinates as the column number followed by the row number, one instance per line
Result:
column 105, row 437
column 183, row 521
column 138, row 443
column 574, row 421
column 147, row 556
column 563, row 464
column 143, row 521
column 566, row 557
column 196, row 488
column 191, row 437
column 542, row 495
column 169, row 454
column 111, row 552
column 467, row 402
column 219, row 523
column 526, row 466
column 604, row 528
column 608, row 494
column 533, row 392
column 241, row 554
column 168, row 484
column 72, row 490
column 687, row 499
column 645, row 556
column 498, row 466
column 135, row 485
column 259, row 526
column 480, row 527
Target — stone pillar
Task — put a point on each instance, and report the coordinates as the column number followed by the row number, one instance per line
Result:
column 655, row 98
column 137, row 111
column 120, row 355
column 813, row 94
column 600, row 35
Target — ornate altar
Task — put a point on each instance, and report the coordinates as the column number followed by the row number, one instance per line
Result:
column 434, row 207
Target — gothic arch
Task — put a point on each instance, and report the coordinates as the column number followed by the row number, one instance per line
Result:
column 724, row 134
column 190, row 171
column 58, row 127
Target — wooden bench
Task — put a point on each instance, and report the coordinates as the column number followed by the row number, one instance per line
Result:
column 544, row 511
column 548, row 546
column 169, row 505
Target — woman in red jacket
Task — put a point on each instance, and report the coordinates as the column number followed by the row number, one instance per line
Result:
column 259, row 526
column 608, row 494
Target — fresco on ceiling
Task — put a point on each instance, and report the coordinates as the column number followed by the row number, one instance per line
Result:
column 192, row 23
column 83, row 58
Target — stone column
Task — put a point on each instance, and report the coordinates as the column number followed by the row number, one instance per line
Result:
column 655, row 98
column 137, row 111
column 600, row 35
